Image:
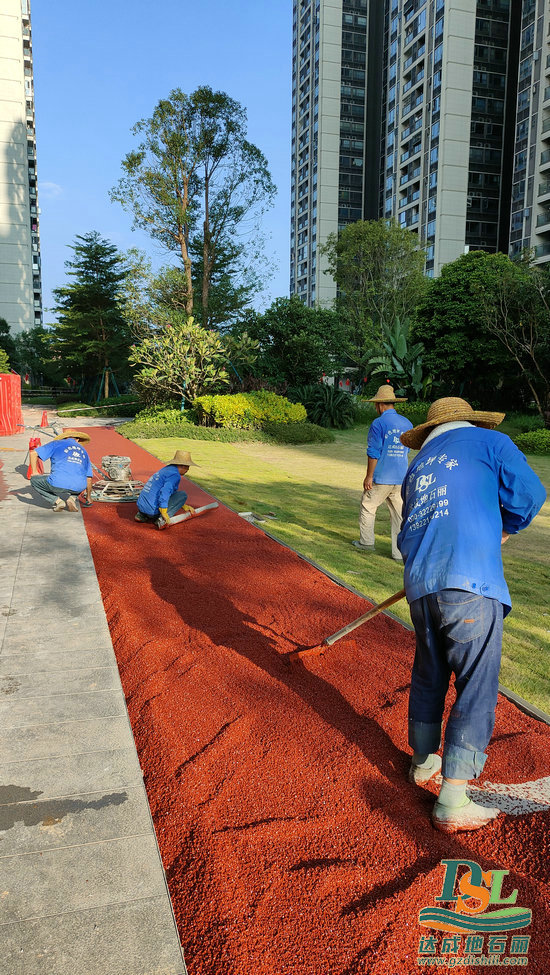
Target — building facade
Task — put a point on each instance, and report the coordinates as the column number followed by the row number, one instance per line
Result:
column 20, row 278
column 436, row 114
column 530, row 224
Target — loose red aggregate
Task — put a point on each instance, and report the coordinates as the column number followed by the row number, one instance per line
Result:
column 292, row 841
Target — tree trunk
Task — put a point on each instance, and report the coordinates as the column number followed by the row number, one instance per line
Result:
column 106, row 384
column 205, row 254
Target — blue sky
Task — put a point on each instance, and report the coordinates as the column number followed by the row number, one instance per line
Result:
column 101, row 66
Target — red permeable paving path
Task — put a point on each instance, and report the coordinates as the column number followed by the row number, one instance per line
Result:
column 292, row 841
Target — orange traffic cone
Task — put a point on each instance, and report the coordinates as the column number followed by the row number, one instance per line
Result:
column 35, row 442
column 44, row 420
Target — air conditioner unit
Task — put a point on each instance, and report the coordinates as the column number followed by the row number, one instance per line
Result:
column 535, row 55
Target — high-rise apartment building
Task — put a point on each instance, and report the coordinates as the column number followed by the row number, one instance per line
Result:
column 337, row 59
column 530, row 225
column 430, row 112
column 20, row 280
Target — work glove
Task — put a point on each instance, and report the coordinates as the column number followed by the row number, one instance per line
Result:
column 165, row 515
column 189, row 508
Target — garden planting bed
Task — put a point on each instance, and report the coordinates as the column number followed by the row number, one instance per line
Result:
column 292, row 842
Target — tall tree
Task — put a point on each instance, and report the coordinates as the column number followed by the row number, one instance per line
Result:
column 378, row 269
column 516, row 311
column 91, row 333
column 195, row 173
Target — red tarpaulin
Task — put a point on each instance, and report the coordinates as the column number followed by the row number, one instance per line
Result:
column 10, row 404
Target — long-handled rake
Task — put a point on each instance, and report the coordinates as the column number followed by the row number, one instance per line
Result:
column 319, row 648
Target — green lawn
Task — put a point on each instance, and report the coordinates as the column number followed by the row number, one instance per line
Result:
column 314, row 491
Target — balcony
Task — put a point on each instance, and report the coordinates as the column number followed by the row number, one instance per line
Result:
column 545, row 130
column 542, row 253
column 544, row 192
column 545, row 158
column 543, row 222
column 546, row 96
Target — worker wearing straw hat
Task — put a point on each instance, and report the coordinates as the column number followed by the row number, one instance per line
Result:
column 467, row 490
column 160, row 499
column 71, row 470
column 386, row 467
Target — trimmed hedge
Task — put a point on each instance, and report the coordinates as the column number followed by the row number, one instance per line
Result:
column 534, row 442
column 298, row 433
column 246, row 411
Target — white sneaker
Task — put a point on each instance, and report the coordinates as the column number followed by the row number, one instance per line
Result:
column 71, row 504
column 462, row 818
column 420, row 775
column 59, row 505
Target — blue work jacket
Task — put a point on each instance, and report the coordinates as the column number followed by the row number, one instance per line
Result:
column 462, row 490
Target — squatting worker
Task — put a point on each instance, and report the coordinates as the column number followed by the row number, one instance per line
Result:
column 160, row 499
column 467, row 490
column 70, row 474
column 386, row 468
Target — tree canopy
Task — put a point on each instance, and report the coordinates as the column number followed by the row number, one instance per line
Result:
column 197, row 184
column 297, row 344
column 474, row 322
column 378, row 269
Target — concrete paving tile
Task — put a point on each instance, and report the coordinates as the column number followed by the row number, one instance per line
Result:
column 55, row 633
column 41, row 663
column 80, row 877
column 106, row 771
column 67, row 738
column 135, row 938
column 60, row 682
column 60, row 708
column 26, row 827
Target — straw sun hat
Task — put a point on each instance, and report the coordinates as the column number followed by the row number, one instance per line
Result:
column 75, row 434
column 444, row 411
column 386, row 394
column 182, row 458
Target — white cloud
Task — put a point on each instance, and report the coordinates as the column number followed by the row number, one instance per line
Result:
column 49, row 190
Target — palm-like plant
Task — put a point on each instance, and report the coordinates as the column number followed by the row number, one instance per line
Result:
column 401, row 362
column 326, row 406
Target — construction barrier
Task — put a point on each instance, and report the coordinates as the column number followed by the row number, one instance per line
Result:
column 35, row 442
column 10, row 404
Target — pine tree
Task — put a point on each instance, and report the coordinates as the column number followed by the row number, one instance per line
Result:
column 91, row 333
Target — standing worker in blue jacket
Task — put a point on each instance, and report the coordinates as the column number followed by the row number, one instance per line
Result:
column 467, row 490
column 160, row 499
column 386, row 468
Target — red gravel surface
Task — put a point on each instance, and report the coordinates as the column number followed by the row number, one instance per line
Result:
column 292, row 841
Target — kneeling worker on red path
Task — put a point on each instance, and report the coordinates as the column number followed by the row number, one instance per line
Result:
column 467, row 490
column 71, row 470
column 160, row 499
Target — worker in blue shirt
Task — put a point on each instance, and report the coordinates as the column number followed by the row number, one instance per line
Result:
column 70, row 474
column 160, row 499
column 467, row 490
column 386, row 467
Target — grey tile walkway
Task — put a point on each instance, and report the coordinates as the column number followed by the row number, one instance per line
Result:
column 83, row 889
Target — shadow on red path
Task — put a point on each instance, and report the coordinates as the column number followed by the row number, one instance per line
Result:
column 292, row 842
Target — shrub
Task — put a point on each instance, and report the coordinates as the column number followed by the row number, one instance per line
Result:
column 327, row 406
column 534, row 442
column 365, row 412
column 246, row 411
column 416, row 412
column 160, row 427
column 297, row 433
column 525, row 422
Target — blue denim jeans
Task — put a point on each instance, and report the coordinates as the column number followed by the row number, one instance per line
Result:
column 176, row 501
column 458, row 633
